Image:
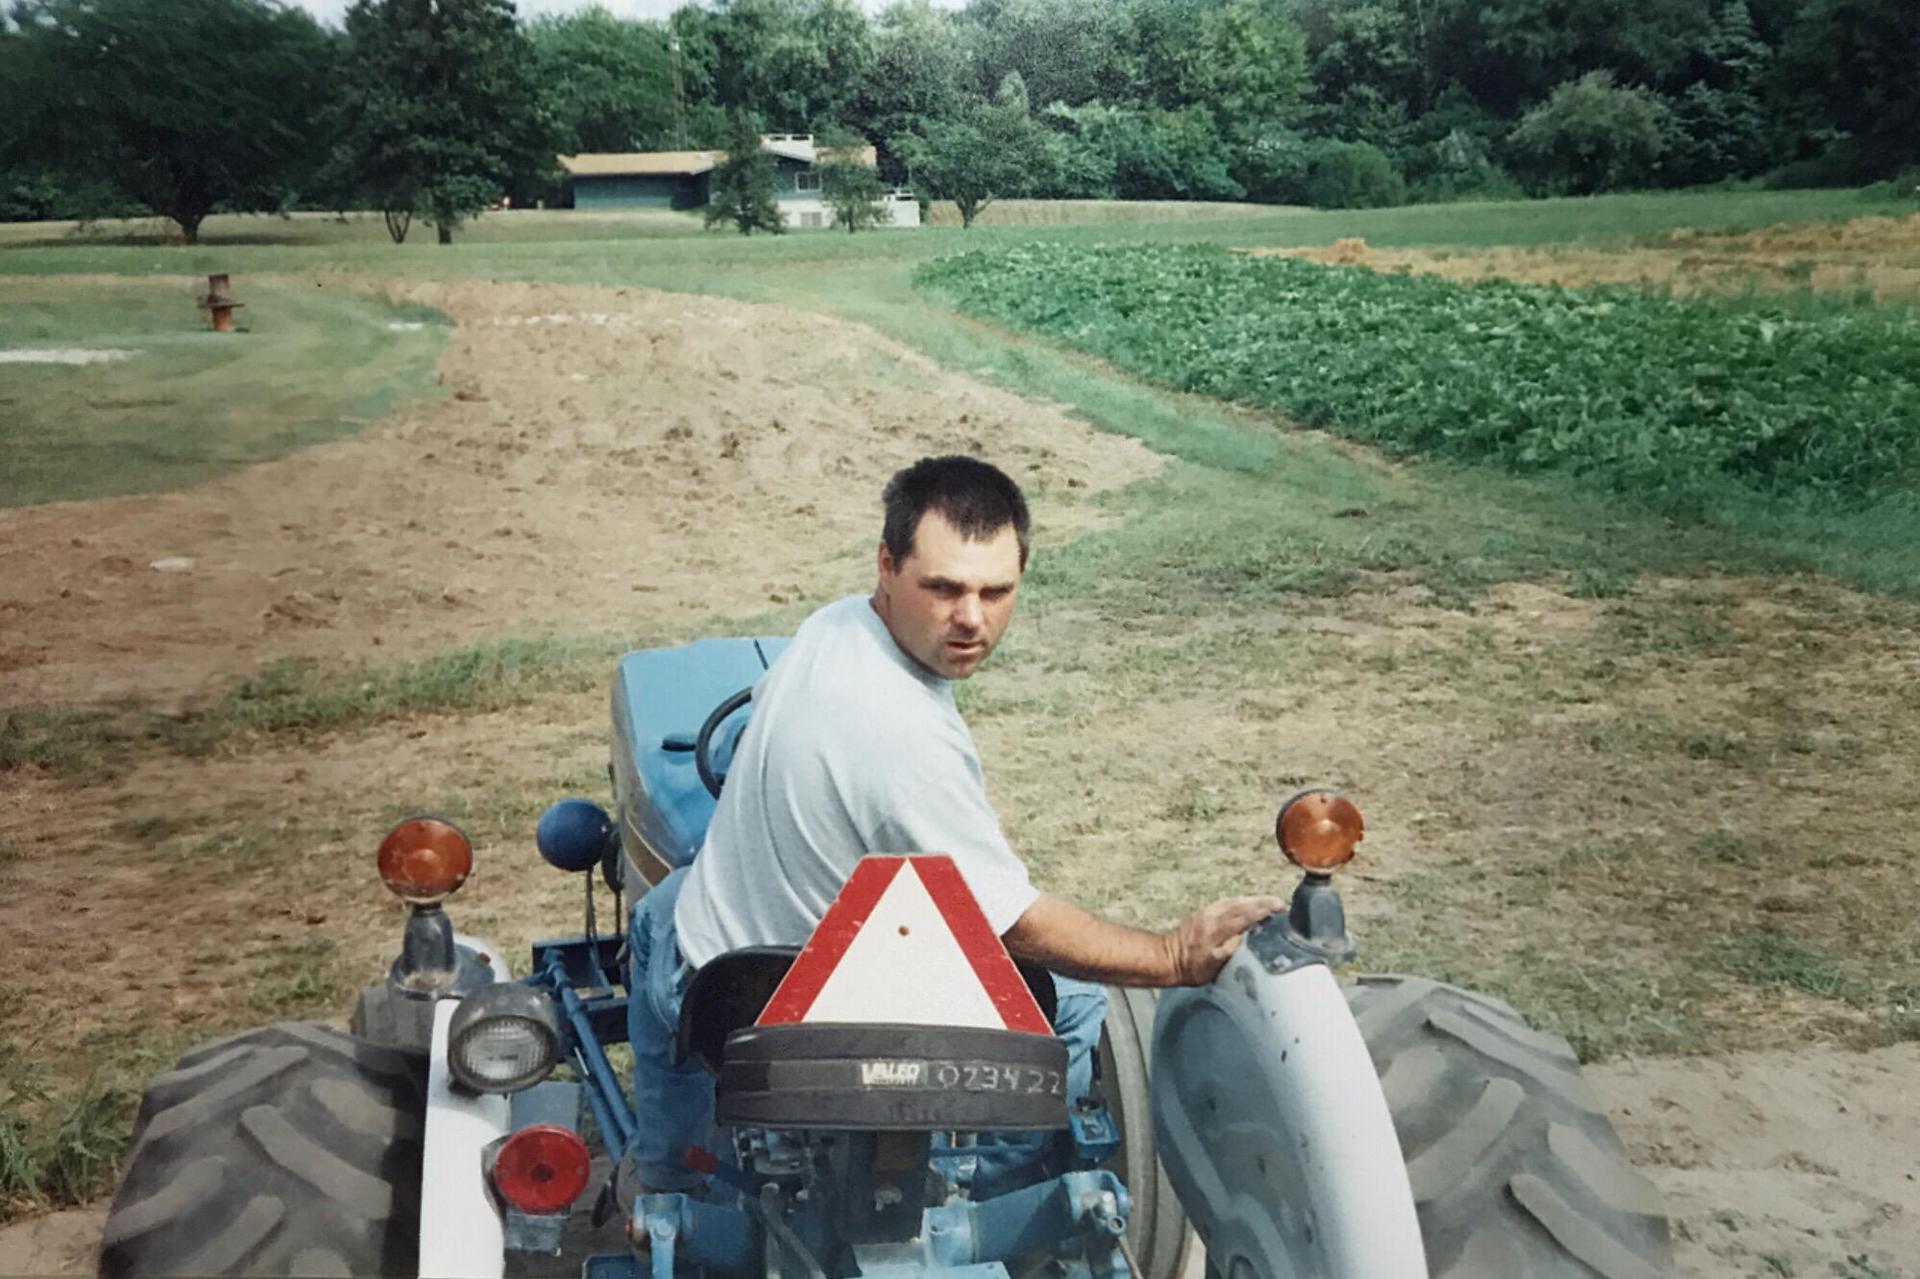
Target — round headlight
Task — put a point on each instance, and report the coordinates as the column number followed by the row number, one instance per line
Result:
column 503, row 1039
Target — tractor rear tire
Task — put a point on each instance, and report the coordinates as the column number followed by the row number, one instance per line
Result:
column 289, row 1150
column 1157, row 1228
column 1516, row 1169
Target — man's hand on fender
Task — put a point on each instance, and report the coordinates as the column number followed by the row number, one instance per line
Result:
column 1203, row 942
column 1069, row 940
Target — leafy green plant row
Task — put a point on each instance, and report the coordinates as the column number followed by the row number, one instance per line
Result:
column 1673, row 400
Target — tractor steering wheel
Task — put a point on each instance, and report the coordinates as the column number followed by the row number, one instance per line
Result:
column 703, row 742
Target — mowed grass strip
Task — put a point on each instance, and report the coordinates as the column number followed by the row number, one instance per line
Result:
column 646, row 246
column 301, row 697
column 311, row 362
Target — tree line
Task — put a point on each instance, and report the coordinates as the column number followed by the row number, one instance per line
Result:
column 436, row 108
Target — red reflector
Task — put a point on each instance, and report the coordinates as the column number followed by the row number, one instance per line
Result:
column 542, row 1168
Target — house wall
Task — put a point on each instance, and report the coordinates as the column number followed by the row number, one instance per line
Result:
column 804, row 210
column 799, row 209
column 807, row 211
column 639, row 191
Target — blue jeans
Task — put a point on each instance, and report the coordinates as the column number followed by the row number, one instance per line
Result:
column 673, row 1102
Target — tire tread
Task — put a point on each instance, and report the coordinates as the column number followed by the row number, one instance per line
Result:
column 291, row 1149
column 1517, row 1172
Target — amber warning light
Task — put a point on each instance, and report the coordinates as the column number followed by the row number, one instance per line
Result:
column 1317, row 830
column 424, row 859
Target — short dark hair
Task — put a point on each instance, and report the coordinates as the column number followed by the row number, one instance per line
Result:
column 977, row 498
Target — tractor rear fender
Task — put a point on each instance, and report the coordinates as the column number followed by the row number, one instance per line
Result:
column 1274, row 1130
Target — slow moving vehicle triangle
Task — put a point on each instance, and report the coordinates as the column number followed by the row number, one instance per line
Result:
column 905, row 943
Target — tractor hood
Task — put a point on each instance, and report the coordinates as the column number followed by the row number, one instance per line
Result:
column 660, row 698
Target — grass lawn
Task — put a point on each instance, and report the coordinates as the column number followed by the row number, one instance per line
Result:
column 566, row 245
column 310, row 364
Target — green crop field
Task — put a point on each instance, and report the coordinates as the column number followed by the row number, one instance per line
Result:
column 1684, row 405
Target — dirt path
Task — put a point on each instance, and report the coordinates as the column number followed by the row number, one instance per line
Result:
column 601, row 459
column 1780, row 1163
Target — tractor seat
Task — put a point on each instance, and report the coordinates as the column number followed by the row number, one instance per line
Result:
column 730, row 992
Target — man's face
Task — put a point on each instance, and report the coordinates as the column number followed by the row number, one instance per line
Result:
column 949, row 601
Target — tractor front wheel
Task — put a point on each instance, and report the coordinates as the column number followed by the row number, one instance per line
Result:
column 290, row 1150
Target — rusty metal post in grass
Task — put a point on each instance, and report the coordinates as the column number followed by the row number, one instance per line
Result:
column 219, row 303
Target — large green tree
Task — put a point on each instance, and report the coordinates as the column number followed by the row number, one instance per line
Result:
column 991, row 150
column 1719, row 121
column 180, row 107
column 920, row 72
column 445, row 110
column 1856, row 65
column 741, row 189
column 1591, row 135
column 1256, row 68
column 1070, row 51
column 849, row 183
column 610, row 80
column 795, row 64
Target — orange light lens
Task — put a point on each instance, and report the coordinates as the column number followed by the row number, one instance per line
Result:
column 424, row 859
column 1317, row 830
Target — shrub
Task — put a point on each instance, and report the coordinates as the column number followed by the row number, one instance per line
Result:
column 1590, row 135
column 1352, row 175
column 1840, row 164
column 1271, row 162
column 1460, row 167
column 1150, row 154
column 1901, row 186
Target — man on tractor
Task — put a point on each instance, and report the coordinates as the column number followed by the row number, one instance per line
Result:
column 855, row 746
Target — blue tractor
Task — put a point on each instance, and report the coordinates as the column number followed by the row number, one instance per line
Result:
column 470, row 1121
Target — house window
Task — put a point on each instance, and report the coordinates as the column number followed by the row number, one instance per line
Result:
column 811, row 220
column 806, row 180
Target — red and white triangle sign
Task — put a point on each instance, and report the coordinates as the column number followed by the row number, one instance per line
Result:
column 905, row 943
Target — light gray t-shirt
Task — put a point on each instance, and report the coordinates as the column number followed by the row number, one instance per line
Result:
column 852, row 748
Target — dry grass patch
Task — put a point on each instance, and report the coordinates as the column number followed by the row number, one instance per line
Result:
column 1664, row 821
column 1876, row 257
